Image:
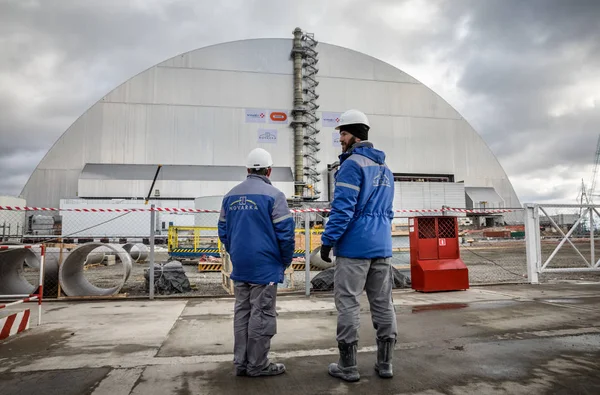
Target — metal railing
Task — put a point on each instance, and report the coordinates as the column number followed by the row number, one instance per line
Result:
column 552, row 227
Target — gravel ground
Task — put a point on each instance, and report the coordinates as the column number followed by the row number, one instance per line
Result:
column 488, row 262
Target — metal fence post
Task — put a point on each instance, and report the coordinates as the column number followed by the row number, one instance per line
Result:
column 307, row 243
column 532, row 242
column 41, row 285
column 151, row 268
column 592, row 241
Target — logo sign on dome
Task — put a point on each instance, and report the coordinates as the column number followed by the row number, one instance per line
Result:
column 256, row 116
column 267, row 136
column 278, row 117
column 331, row 119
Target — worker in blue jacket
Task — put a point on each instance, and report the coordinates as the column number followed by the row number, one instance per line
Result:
column 359, row 231
column 257, row 230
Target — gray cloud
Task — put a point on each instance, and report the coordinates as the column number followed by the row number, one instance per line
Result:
column 506, row 65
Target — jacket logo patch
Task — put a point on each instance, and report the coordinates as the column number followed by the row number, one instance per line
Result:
column 381, row 180
column 243, row 204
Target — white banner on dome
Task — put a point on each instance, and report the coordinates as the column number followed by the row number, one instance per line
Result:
column 256, row 116
column 331, row 119
column 268, row 136
column 280, row 117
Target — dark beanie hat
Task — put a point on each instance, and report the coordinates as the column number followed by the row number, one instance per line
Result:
column 358, row 130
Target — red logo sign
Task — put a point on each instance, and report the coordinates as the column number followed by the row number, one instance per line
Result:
column 278, row 116
column 442, row 242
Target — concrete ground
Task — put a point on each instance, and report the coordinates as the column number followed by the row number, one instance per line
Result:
column 509, row 339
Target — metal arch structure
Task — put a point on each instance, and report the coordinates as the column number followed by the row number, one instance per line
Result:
column 417, row 129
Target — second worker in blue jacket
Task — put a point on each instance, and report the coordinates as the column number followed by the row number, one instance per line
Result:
column 257, row 229
column 359, row 231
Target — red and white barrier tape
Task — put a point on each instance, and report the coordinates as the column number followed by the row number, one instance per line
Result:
column 193, row 210
column 478, row 211
column 26, row 300
column 8, row 247
column 14, row 323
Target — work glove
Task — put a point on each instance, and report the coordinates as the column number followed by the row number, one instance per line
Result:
column 325, row 250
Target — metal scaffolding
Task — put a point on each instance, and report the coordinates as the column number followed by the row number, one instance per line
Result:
column 305, row 122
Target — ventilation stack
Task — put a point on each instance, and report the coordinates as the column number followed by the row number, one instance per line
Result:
column 305, row 122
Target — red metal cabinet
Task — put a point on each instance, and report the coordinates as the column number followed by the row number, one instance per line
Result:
column 435, row 263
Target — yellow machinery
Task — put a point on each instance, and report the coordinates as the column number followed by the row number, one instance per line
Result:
column 315, row 241
column 189, row 242
column 194, row 242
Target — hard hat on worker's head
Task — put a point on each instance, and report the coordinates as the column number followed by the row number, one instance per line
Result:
column 259, row 158
column 353, row 117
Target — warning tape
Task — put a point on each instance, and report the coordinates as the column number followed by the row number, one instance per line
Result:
column 26, row 300
column 200, row 250
column 209, row 267
column 302, row 266
column 479, row 211
column 7, row 247
column 193, row 210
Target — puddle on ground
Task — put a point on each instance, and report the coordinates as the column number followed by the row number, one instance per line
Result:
column 456, row 306
column 562, row 301
column 441, row 306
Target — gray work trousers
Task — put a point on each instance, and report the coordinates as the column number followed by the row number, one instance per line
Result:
column 254, row 324
column 351, row 277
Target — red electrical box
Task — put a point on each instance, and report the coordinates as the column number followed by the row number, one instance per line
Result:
column 435, row 263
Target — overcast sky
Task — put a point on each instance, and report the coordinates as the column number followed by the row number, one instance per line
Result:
column 525, row 74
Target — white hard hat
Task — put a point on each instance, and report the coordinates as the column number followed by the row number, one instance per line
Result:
column 352, row 117
column 259, row 158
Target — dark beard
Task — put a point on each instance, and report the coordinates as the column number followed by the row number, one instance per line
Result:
column 349, row 145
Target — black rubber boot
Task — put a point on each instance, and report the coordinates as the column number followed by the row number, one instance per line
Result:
column 385, row 352
column 346, row 368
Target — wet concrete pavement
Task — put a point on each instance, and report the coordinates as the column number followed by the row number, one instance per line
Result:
column 512, row 339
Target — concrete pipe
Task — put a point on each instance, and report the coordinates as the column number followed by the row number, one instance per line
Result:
column 138, row 252
column 98, row 254
column 72, row 279
column 50, row 269
column 315, row 259
column 12, row 281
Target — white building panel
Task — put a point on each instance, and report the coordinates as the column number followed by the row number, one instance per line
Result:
column 167, row 188
column 428, row 195
column 134, row 224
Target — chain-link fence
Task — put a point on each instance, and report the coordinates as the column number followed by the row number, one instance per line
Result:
column 107, row 252
column 97, row 252
column 89, row 252
column 492, row 245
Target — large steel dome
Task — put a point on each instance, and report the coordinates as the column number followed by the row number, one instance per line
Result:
column 200, row 113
